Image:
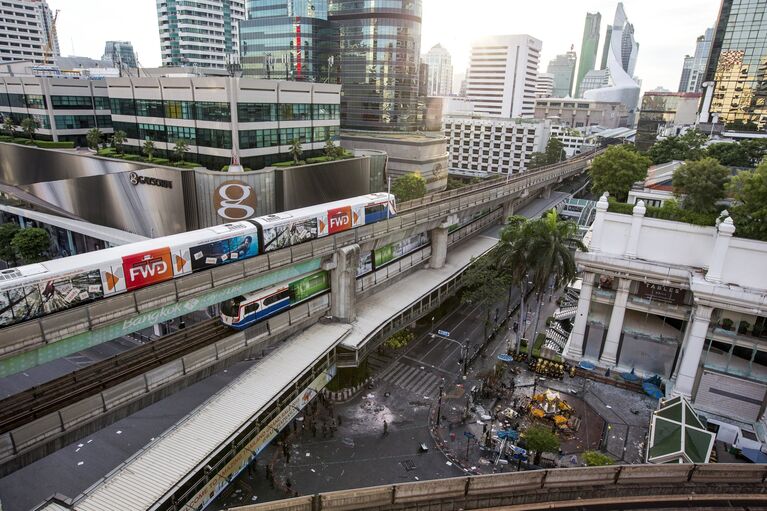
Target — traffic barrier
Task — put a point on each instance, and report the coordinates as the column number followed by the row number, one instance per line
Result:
column 230, row 345
column 717, row 472
column 634, row 474
column 278, row 323
column 301, row 252
column 225, row 274
column 164, row 374
column 152, row 297
column 81, row 411
column 105, row 311
column 504, row 483
column 436, row 489
column 6, row 446
column 123, row 392
column 25, row 335
column 36, row 431
column 357, row 499
column 64, row 324
column 194, row 283
column 199, row 358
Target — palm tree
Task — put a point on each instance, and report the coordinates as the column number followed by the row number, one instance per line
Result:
column 180, row 148
column 29, row 126
column 118, row 139
column 9, row 126
column 330, row 149
column 93, row 138
column 538, row 252
column 149, row 148
column 295, row 150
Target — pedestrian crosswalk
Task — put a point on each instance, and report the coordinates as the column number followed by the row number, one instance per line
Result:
column 418, row 381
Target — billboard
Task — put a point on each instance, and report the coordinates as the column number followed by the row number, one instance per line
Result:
column 49, row 296
column 234, row 200
column 395, row 250
column 366, row 263
column 292, row 232
column 147, row 268
column 339, row 219
column 308, row 286
column 221, row 252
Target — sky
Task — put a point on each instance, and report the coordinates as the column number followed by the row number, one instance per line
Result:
column 665, row 29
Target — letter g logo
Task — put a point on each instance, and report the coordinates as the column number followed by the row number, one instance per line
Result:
column 235, row 200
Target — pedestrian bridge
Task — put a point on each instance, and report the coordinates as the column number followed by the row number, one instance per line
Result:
column 54, row 336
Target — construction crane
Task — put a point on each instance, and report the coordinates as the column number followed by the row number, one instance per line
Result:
column 50, row 33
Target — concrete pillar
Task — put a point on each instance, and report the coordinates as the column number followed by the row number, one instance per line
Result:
column 508, row 211
column 343, row 279
column 724, row 235
column 636, row 229
column 438, row 247
column 546, row 193
column 575, row 343
column 692, row 351
column 596, row 227
column 610, row 351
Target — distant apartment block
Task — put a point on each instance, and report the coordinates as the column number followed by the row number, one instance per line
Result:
column 119, row 53
column 582, row 113
column 25, row 29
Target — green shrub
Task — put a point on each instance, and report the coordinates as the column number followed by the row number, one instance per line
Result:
column 46, row 144
column 287, row 164
column 669, row 211
column 23, row 141
column 225, row 168
column 319, row 159
column 131, row 157
column 6, row 138
column 161, row 161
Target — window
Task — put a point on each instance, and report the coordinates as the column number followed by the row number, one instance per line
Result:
column 122, row 106
column 328, row 112
column 256, row 112
column 287, row 135
column 181, row 132
column 179, row 110
column 323, row 133
column 130, row 128
column 212, row 111
column 295, row 112
column 276, row 298
column 149, row 108
column 154, row 132
column 72, row 122
column 104, row 121
column 214, row 138
column 36, row 101
column 259, row 138
column 72, row 102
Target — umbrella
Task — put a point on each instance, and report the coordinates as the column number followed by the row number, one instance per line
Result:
column 503, row 357
column 630, row 377
column 652, row 391
column 586, row 365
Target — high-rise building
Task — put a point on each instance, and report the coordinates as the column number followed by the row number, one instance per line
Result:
column 379, row 51
column 544, row 85
column 440, row 81
column 563, row 69
column 620, row 61
column 290, row 40
column 202, row 33
column 502, row 75
column 589, row 47
column 664, row 109
column 694, row 66
column 119, row 52
column 27, row 32
column 737, row 66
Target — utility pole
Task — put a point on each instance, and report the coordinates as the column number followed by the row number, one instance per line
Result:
column 439, row 402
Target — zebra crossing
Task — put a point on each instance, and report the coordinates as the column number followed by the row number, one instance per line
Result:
column 416, row 380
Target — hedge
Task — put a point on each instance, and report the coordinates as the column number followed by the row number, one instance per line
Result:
column 670, row 211
column 46, row 144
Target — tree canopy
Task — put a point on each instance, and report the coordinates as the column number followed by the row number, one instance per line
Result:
column 555, row 152
column 118, row 139
column 749, row 189
column 295, row 150
column 180, row 148
column 616, row 170
column 149, row 148
column 29, row 126
column 684, row 147
column 701, row 183
column 31, row 244
column 408, row 187
column 539, row 440
column 746, row 153
column 93, row 138
column 596, row 459
column 485, row 284
column 7, row 232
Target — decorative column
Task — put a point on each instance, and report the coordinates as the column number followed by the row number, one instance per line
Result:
column 692, row 351
column 596, row 227
column 343, row 284
column 610, row 352
column 438, row 247
column 575, row 344
column 636, row 228
column 724, row 235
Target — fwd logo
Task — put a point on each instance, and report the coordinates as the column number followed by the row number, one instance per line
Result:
column 339, row 222
column 339, row 219
column 147, row 268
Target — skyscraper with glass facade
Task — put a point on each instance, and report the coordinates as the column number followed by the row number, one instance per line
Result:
column 738, row 65
column 589, row 47
column 695, row 65
column 289, row 40
column 379, row 49
column 201, row 33
column 563, row 69
column 119, row 53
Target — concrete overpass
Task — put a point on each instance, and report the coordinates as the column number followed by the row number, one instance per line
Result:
column 50, row 337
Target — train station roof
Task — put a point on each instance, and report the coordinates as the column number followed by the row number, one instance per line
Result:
column 677, row 435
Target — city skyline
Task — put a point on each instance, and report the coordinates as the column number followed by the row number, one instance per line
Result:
column 659, row 62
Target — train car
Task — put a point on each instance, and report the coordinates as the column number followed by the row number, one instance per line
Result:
column 243, row 311
column 289, row 228
column 34, row 290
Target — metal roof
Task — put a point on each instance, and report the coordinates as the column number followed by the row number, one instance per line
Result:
column 145, row 478
column 677, row 435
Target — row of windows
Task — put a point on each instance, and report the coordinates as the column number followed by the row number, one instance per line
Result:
column 73, row 122
column 274, row 137
column 194, row 136
column 42, row 120
column 22, row 100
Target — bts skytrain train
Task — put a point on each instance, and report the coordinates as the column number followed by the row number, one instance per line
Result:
column 35, row 290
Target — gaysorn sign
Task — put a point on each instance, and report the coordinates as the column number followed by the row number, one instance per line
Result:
column 136, row 180
column 235, row 200
column 660, row 293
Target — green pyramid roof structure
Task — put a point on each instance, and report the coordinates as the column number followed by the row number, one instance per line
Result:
column 677, row 434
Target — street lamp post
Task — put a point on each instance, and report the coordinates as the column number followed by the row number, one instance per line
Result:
column 439, row 403
column 466, row 357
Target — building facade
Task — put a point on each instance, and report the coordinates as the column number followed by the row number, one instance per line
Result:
column 201, row 33
column 120, row 54
column 492, row 145
column 736, row 67
column 563, row 69
column 544, row 86
column 582, row 113
column 589, row 48
column 663, row 109
column 695, row 66
column 65, row 109
column 680, row 301
column 502, row 75
column 27, row 32
column 379, row 51
column 594, row 79
column 440, row 81
column 619, row 61
column 289, row 40
column 258, row 119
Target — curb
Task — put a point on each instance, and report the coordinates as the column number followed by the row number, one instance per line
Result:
column 346, row 394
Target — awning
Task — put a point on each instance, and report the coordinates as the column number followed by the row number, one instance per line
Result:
column 754, row 455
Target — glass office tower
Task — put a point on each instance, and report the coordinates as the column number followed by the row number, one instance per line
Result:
column 289, row 40
column 738, row 65
column 380, row 46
